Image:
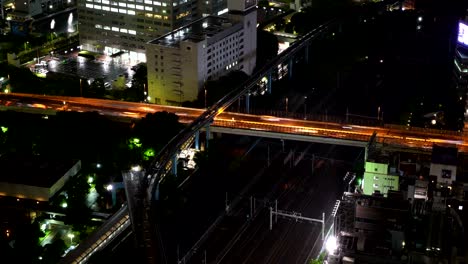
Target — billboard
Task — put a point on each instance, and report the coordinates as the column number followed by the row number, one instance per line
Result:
column 463, row 33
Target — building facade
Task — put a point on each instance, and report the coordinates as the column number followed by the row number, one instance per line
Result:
column 376, row 178
column 180, row 62
column 110, row 27
column 212, row 7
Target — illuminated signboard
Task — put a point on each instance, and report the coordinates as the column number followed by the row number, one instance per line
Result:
column 463, row 34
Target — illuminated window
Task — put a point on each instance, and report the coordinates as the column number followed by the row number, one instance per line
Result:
column 97, row 7
column 97, row 1
column 148, row 2
column 89, row 5
column 106, row 2
column 132, row 32
column 130, row 5
column 114, row 3
column 157, row 3
column 123, row 30
column 105, row 8
column 158, row 16
column 164, row 11
column 115, row 29
column 113, row 9
column 123, row 11
column 131, row 12
column 148, row 8
column 149, row 15
column 106, row 27
column 164, row 4
column 140, row 7
column 98, row 26
column 122, row 4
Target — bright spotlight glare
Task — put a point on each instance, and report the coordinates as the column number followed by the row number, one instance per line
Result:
column 136, row 168
column 331, row 245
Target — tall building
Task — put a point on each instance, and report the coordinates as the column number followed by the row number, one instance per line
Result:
column 180, row 62
column 461, row 64
column 212, row 7
column 113, row 26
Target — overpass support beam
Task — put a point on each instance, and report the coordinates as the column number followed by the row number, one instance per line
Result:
column 207, row 136
column 247, row 103
column 174, row 164
column 197, row 140
column 269, row 82
column 290, row 67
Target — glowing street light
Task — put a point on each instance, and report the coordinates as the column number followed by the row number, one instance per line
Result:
column 64, row 205
column 109, row 187
column 71, row 236
column 136, row 168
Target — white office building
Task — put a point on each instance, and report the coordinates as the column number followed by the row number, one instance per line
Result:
column 180, row 62
column 113, row 26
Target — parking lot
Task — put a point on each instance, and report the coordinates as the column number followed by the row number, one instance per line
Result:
column 107, row 68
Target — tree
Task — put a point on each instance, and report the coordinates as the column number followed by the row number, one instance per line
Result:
column 97, row 88
column 54, row 251
column 77, row 212
column 27, row 240
column 217, row 89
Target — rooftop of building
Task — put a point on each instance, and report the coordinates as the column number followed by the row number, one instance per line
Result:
column 196, row 31
column 33, row 170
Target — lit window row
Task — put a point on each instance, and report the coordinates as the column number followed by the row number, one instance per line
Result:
column 111, row 9
column 116, row 29
column 120, row 4
column 115, row 3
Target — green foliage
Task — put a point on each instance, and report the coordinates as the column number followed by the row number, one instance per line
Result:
column 27, row 240
column 319, row 260
column 53, row 252
column 96, row 89
column 156, row 129
column 77, row 212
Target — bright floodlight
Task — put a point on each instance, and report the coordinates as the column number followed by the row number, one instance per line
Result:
column 64, row 205
column 109, row 187
column 71, row 235
column 136, row 168
column 433, row 121
column 331, row 245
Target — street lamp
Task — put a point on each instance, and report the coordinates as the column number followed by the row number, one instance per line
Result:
column 71, row 236
column 305, row 107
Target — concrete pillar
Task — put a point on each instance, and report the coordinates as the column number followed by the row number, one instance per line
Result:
column 269, row 83
column 115, row 186
column 247, row 103
column 290, row 67
column 207, row 136
column 197, row 140
column 174, row 165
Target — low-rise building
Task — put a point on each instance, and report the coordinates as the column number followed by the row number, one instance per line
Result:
column 34, row 177
column 378, row 179
column 444, row 165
